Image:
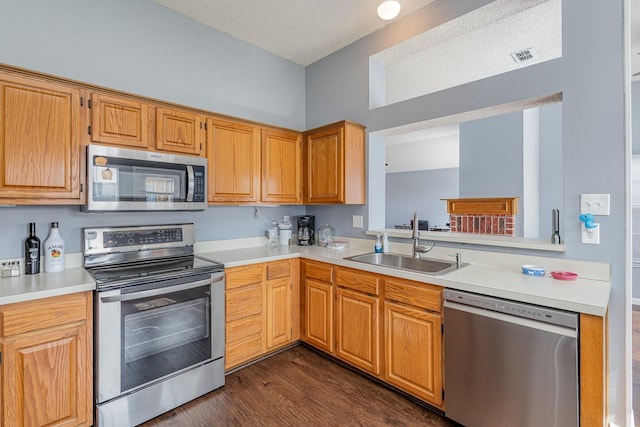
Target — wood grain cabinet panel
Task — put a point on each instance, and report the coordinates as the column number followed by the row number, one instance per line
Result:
column 244, row 306
column 278, row 313
column 233, row 152
column 47, row 373
column 318, row 314
column 179, row 131
column 413, row 351
column 357, row 330
column 334, row 165
column 40, row 126
column 260, row 312
column 281, row 167
column 120, row 121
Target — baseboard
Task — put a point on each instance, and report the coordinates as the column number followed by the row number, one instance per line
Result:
column 635, row 301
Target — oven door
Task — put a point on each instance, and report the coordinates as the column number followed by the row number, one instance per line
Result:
column 156, row 330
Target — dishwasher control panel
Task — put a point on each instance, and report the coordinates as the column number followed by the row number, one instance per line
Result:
column 514, row 308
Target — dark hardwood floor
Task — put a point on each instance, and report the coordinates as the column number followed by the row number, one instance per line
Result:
column 299, row 387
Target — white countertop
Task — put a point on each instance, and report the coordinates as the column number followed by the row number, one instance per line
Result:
column 43, row 285
column 588, row 294
column 583, row 295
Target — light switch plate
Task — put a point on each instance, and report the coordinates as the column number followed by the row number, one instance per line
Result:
column 358, row 221
column 595, row 204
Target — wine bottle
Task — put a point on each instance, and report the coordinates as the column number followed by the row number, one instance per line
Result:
column 32, row 251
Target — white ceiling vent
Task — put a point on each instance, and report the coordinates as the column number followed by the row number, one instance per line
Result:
column 524, row 55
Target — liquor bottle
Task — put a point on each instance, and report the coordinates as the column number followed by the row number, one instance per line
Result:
column 54, row 250
column 32, row 251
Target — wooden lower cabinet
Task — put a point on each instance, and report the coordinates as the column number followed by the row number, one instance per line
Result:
column 260, row 314
column 318, row 304
column 47, row 362
column 357, row 317
column 413, row 351
column 357, row 336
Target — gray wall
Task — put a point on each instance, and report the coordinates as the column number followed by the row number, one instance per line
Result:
column 146, row 49
column 550, row 178
column 419, row 191
column 635, row 147
column 140, row 47
column 491, row 156
column 590, row 75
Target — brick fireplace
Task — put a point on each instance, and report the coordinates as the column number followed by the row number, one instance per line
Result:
column 493, row 216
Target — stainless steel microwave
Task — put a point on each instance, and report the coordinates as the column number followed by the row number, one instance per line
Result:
column 121, row 179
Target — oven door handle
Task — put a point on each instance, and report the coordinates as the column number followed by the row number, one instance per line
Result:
column 160, row 291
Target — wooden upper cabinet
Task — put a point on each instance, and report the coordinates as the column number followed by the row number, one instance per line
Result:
column 179, row 131
column 334, row 164
column 281, row 167
column 233, row 151
column 40, row 126
column 120, row 121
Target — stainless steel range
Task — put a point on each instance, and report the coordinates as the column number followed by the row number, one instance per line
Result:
column 159, row 321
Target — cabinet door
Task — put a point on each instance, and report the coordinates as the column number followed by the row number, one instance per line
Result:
column 281, row 167
column 324, row 167
column 278, row 313
column 233, row 150
column 47, row 378
column 357, row 339
column 318, row 312
column 120, row 121
column 39, row 140
column 413, row 351
column 179, row 131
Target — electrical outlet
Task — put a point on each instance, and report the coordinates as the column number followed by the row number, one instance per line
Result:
column 591, row 235
column 358, row 221
column 286, row 218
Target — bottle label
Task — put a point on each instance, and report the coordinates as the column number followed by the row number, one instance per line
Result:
column 34, row 253
column 55, row 251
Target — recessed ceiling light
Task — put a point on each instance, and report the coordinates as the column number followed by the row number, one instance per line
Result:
column 388, row 9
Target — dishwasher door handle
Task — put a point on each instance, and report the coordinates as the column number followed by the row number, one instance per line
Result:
column 542, row 326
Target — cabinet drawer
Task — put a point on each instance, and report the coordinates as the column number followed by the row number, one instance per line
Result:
column 243, row 302
column 358, row 281
column 35, row 315
column 243, row 351
column 417, row 294
column 322, row 272
column 240, row 330
column 241, row 276
column 276, row 270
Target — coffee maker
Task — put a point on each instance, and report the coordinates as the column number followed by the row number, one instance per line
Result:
column 305, row 230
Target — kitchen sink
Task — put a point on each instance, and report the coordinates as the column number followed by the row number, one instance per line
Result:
column 407, row 262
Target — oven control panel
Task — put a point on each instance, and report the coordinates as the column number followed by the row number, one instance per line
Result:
column 124, row 239
column 112, row 239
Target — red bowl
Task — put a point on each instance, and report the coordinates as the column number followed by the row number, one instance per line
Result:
column 563, row 275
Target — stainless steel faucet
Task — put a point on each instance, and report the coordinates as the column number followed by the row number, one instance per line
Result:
column 417, row 247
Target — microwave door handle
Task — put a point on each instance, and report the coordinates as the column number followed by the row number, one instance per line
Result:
column 190, row 183
column 160, row 291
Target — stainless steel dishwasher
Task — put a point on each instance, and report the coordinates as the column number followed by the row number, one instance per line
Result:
column 509, row 364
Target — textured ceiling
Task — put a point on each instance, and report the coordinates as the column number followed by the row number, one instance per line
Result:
column 302, row 31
